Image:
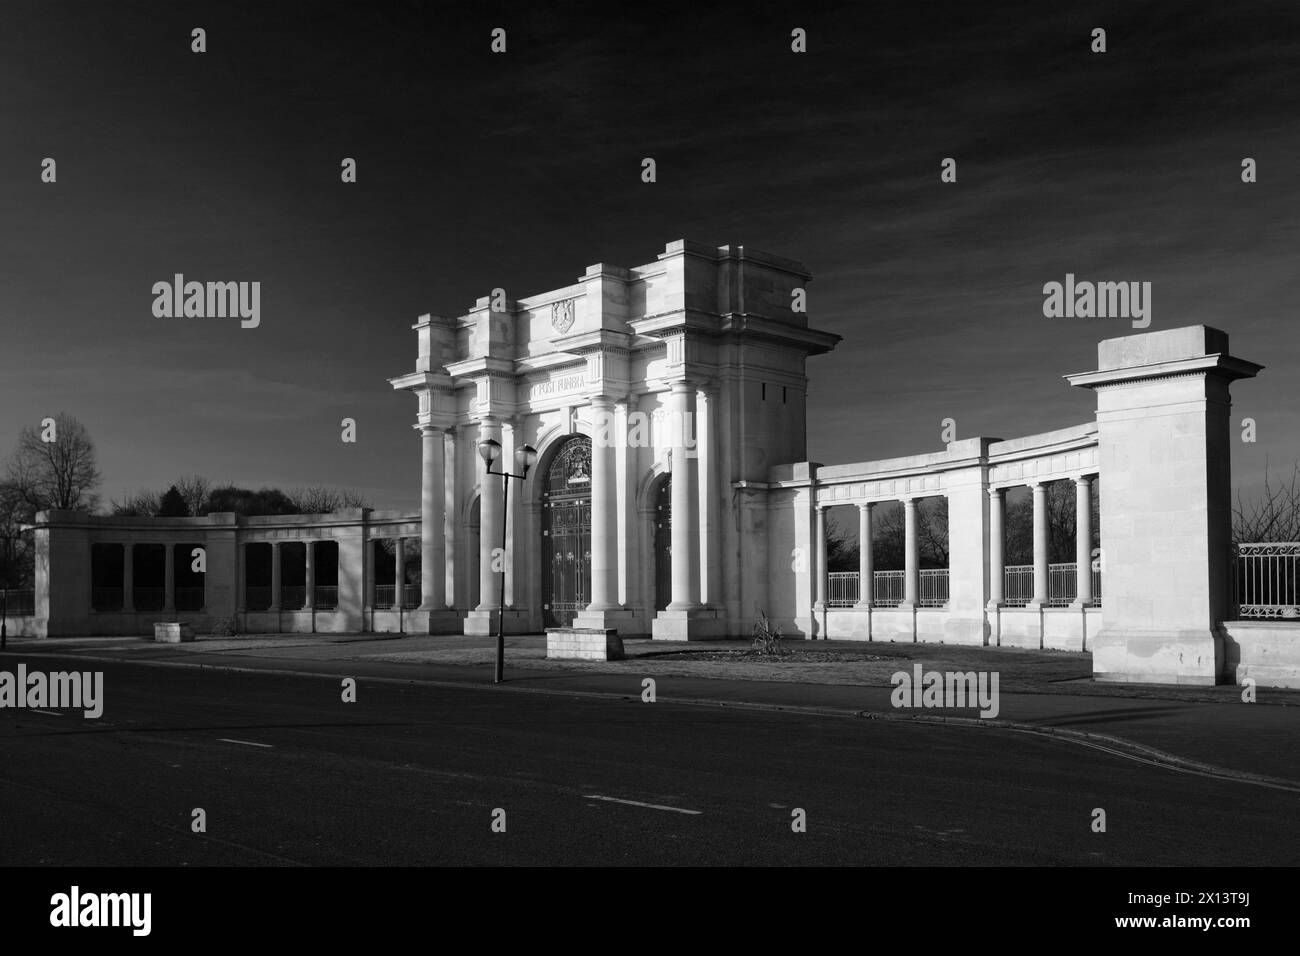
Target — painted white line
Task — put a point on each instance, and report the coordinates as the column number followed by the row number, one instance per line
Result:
column 638, row 803
column 47, row 713
column 246, row 743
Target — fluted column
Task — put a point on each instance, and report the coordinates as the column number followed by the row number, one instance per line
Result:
column 433, row 573
column 997, row 545
column 450, row 551
column 820, row 592
column 604, row 503
column 1040, row 543
column 509, row 463
column 490, row 518
column 910, row 562
column 866, row 567
column 1083, row 539
column 686, row 499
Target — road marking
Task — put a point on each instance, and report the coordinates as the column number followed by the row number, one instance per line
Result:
column 246, row 743
column 47, row 713
column 638, row 803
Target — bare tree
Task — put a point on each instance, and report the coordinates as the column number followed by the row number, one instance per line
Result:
column 17, row 550
column 1275, row 516
column 317, row 499
column 888, row 550
column 54, row 466
column 142, row 504
column 194, row 491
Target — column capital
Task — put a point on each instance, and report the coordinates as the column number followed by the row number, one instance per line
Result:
column 866, row 505
column 997, row 492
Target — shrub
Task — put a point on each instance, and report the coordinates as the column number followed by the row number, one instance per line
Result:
column 767, row 638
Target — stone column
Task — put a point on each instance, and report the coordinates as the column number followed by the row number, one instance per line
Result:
column 997, row 545
column 686, row 500
column 706, row 450
column 169, row 578
column 604, row 503
column 275, row 576
column 490, row 519
column 309, row 575
column 128, row 578
column 866, row 566
column 1083, row 540
column 449, row 518
column 433, row 572
column 1040, row 544
column 625, row 484
column 509, row 463
column 819, row 599
column 911, row 564
column 399, row 570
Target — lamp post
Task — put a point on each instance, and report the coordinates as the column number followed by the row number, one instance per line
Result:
column 525, row 457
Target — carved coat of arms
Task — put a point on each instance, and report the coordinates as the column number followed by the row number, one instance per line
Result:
column 562, row 315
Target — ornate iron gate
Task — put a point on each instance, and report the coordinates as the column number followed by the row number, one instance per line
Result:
column 566, row 534
column 664, row 544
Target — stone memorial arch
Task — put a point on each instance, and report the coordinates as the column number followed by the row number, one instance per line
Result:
column 648, row 393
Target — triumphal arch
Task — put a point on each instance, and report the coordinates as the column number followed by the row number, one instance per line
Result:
column 656, row 398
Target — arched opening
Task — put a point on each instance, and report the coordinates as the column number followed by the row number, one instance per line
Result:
column 566, row 533
column 663, row 543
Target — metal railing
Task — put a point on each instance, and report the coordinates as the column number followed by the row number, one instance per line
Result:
column 1266, row 580
column 933, row 587
column 19, row 602
column 293, row 597
column 412, row 595
column 326, row 597
column 843, row 588
column 385, row 595
column 888, row 588
column 1062, row 585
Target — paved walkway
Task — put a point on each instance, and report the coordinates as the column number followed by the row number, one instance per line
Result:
column 1050, row 691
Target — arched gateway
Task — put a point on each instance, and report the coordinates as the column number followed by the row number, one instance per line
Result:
column 683, row 381
column 566, row 533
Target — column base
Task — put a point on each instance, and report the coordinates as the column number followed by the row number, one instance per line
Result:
column 484, row 623
column 690, row 624
column 1191, row 656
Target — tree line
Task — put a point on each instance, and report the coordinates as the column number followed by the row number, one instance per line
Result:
column 54, row 466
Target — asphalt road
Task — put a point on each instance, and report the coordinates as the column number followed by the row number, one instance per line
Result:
column 287, row 773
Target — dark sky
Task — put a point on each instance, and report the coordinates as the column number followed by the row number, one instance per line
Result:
column 519, row 170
